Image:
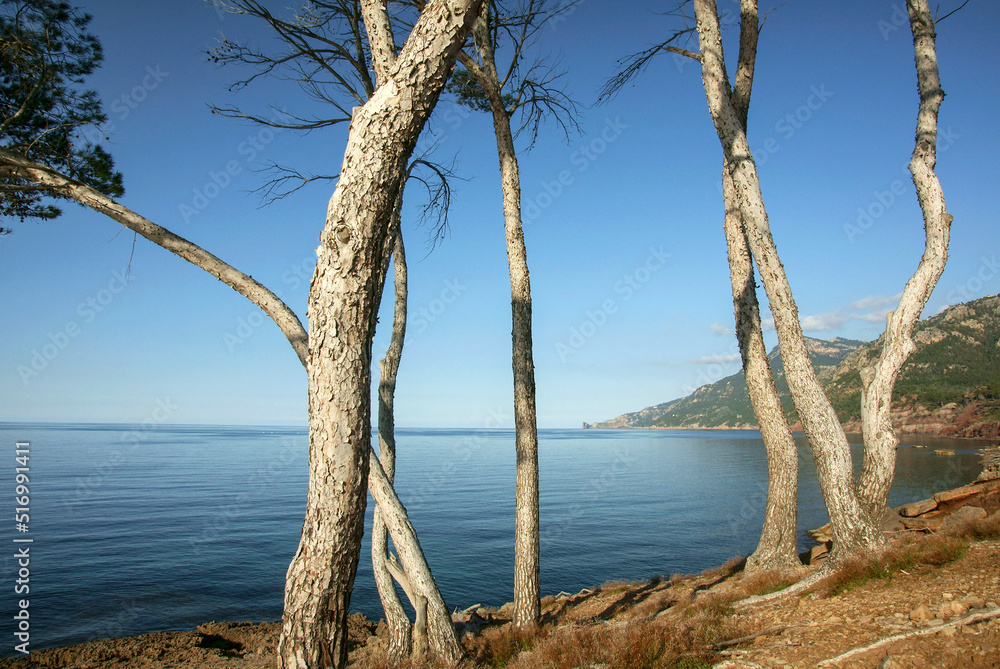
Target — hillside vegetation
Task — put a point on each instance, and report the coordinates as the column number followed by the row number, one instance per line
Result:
column 949, row 386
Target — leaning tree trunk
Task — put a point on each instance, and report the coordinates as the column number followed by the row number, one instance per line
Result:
column 778, row 546
column 527, row 588
column 853, row 530
column 342, row 311
column 878, row 381
column 400, row 630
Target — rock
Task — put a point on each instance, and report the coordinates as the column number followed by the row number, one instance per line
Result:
column 926, row 524
column 967, row 514
column 952, row 609
column 966, row 491
column 819, row 553
column 944, row 451
column 914, row 509
column 949, row 631
column 922, row 612
column 947, row 596
column 973, row 602
column 822, row 535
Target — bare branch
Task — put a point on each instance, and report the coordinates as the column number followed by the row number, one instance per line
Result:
column 632, row 66
column 16, row 166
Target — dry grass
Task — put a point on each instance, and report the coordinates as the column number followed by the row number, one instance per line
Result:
column 987, row 528
column 933, row 551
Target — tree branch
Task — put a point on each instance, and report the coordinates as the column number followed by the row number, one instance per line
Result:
column 16, row 166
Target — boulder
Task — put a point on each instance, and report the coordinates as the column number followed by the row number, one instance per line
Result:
column 951, row 610
column 966, row 491
column 922, row 524
column 822, row 535
column 922, row 612
column 967, row 514
column 914, row 509
column 818, row 554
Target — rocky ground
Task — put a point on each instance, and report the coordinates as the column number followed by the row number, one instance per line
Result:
column 940, row 611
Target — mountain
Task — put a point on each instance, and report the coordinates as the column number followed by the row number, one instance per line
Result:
column 949, row 386
column 726, row 404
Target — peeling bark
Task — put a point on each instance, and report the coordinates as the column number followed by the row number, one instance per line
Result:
column 852, row 528
column 527, row 589
column 342, row 309
column 878, row 381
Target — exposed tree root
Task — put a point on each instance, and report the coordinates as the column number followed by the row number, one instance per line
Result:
column 793, row 589
column 750, row 637
column 958, row 622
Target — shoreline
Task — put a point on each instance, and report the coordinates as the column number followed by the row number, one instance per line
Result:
column 967, row 588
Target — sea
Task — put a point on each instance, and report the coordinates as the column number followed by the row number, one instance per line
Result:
column 140, row 528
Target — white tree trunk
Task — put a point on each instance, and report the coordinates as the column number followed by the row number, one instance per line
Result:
column 400, row 629
column 878, row 381
column 853, row 530
column 778, row 545
column 777, row 548
column 527, row 588
column 342, row 309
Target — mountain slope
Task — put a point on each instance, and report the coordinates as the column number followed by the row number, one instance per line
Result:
column 950, row 385
column 726, row 403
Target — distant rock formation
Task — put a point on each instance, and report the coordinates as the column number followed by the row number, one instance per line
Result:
column 949, row 387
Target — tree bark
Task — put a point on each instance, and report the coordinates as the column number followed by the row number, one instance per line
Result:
column 342, row 309
column 778, row 546
column 852, row 528
column 527, row 588
column 400, row 629
column 440, row 631
column 878, row 381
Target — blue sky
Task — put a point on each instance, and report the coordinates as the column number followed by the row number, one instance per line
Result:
column 632, row 302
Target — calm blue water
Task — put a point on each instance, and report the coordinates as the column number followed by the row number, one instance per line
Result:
column 141, row 529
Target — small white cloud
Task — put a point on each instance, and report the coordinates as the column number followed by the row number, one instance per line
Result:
column 720, row 359
column 871, row 309
column 767, row 325
column 719, row 329
column 875, row 301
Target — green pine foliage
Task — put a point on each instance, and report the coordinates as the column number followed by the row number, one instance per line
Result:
column 45, row 56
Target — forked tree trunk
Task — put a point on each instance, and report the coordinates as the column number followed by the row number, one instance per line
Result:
column 527, row 588
column 342, row 310
column 400, row 629
column 878, row 381
column 852, row 528
column 778, row 545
